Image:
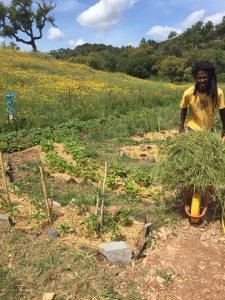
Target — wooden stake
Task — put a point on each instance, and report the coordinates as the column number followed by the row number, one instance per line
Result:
column 45, row 194
column 4, row 179
column 103, row 195
column 98, row 199
column 159, row 123
column 69, row 95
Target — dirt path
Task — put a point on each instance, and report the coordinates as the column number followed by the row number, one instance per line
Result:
column 192, row 264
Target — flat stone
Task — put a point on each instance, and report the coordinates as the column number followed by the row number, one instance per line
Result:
column 52, row 202
column 160, row 280
column 49, row 296
column 53, row 233
column 151, row 159
column 116, row 252
column 6, row 220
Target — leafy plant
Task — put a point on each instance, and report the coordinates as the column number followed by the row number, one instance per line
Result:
column 130, row 188
column 39, row 212
column 92, row 225
column 46, row 145
column 124, row 218
column 142, row 178
column 64, row 228
column 9, row 208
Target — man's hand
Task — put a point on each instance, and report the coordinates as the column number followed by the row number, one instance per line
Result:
column 181, row 130
column 223, row 136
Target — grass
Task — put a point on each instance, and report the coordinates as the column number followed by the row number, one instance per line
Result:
column 32, row 267
column 79, row 92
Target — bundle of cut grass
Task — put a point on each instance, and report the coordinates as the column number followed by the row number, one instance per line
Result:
column 194, row 158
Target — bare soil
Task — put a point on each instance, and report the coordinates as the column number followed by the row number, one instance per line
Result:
column 185, row 262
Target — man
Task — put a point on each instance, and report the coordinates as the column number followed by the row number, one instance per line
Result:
column 202, row 100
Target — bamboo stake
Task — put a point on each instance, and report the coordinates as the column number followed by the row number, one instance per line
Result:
column 45, row 195
column 103, row 195
column 4, row 179
column 98, row 199
column 159, row 123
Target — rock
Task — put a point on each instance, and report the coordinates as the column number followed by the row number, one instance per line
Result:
column 146, row 229
column 53, row 233
column 160, row 280
column 151, row 159
column 49, row 296
column 72, row 203
column 120, row 153
column 6, row 220
column 71, row 181
column 52, row 202
column 35, row 233
column 116, row 252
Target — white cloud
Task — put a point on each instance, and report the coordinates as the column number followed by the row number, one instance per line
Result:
column 192, row 19
column 79, row 42
column 132, row 2
column 161, row 32
column 103, row 15
column 55, row 34
column 215, row 19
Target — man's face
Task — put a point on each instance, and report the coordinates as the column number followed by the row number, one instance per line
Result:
column 202, row 80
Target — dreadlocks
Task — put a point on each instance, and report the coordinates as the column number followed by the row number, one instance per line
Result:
column 212, row 91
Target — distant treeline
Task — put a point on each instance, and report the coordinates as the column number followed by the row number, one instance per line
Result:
column 170, row 59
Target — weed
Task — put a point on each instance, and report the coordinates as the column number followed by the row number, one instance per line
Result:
column 130, row 188
column 46, row 145
column 64, row 228
column 9, row 208
column 111, row 182
column 167, row 277
column 92, row 225
column 39, row 212
column 124, row 218
column 142, row 178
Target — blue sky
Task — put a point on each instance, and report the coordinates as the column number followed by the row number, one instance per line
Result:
column 122, row 22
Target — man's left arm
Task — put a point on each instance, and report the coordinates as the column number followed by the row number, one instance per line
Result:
column 222, row 117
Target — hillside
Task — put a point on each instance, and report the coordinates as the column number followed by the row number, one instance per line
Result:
column 153, row 59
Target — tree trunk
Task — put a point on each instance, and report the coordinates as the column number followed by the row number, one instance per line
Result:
column 34, row 46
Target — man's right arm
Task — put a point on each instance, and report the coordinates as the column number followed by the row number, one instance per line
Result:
column 183, row 114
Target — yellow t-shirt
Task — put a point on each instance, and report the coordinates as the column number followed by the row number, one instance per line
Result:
column 201, row 115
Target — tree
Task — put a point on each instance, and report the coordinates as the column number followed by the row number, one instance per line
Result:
column 20, row 18
column 172, row 34
column 172, row 67
column 139, row 65
column 220, row 28
column 13, row 46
